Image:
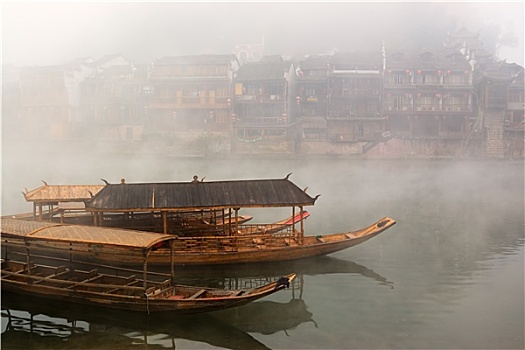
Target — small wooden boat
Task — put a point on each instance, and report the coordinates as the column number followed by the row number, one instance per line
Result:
column 111, row 287
column 274, row 227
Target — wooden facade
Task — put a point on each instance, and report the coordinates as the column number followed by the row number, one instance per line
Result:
column 191, row 93
column 276, row 105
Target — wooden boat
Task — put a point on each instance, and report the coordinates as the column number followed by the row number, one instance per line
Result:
column 206, row 250
column 163, row 203
column 273, row 227
column 111, row 287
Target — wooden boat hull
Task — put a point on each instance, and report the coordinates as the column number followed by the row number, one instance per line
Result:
column 212, row 250
column 182, row 307
column 312, row 246
column 176, row 299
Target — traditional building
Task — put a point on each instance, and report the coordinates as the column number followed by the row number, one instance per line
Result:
column 428, row 94
column 501, row 119
column 311, row 97
column 354, row 99
column 262, row 102
column 514, row 124
column 113, row 101
column 50, row 97
column 191, row 93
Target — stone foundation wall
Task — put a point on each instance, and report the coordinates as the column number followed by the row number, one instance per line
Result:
column 494, row 146
column 323, row 147
column 411, row 148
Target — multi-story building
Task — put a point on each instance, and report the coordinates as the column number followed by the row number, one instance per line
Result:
column 354, row 99
column 311, row 97
column 261, row 107
column 428, row 94
column 191, row 93
column 50, row 97
column 456, row 100
column 113, row 101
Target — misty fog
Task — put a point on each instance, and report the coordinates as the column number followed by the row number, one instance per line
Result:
column 454, row 259
column 36, row 33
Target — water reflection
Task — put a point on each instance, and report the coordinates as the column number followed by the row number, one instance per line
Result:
column 34, row 323
column 37, row 324
column 249, row 274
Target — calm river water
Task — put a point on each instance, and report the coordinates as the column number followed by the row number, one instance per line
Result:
column 449, row 275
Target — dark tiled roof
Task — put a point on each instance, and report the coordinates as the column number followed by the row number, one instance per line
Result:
column 357, row 58
column 187, row 195
column 425, row 58
column 263, row 71
column 197, row 59
column 315, row 62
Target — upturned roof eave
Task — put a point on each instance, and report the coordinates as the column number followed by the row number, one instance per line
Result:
column 190, row 208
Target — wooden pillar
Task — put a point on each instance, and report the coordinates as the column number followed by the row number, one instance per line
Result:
column 145, row 271
column 28, row 261
column 230, row 231
column 293, row 217
column 34, row 211
column 165, row 222
column 172, row 261
column 236, row 220
column 302, row 224
column 40, row 212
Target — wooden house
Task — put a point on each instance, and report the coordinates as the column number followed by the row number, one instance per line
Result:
column 428, row 94
column 191, row 93
column 354, row 109
column 262, row 102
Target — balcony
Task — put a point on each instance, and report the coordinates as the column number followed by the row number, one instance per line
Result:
column 189, row 102
column 278, row 98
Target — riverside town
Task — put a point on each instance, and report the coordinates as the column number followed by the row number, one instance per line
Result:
column 452, row 101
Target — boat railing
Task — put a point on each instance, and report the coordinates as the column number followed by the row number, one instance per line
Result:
column 17, row 258
column 236, row 242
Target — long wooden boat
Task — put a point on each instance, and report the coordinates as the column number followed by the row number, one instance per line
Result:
column 159, row 206
column 205, row 250
column 117, row 289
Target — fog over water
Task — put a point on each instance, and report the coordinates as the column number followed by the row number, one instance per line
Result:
column 48, row 33
column 448, row 275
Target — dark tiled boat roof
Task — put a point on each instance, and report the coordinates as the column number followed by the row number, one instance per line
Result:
column 187, row 195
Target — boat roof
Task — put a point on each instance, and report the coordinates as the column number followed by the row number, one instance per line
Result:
column 62, row 193
column 36, row 230
column 199, row 195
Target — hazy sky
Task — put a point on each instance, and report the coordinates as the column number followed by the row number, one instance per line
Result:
column 47, row 33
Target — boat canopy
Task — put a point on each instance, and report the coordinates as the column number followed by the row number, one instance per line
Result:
column 76, row 234
column 180, row 196
column 48, row 194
